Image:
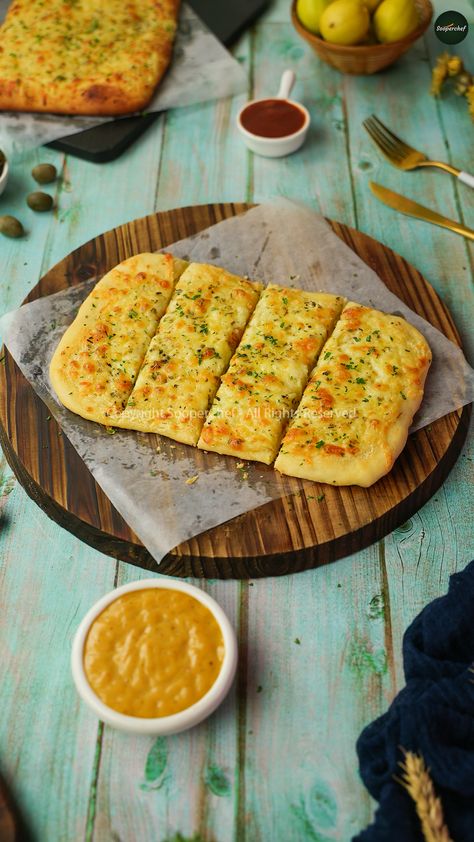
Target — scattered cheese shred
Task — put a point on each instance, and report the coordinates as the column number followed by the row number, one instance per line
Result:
column 192, row 480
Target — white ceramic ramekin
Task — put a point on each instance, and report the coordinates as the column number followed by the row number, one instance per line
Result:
column 4, row 177
column 162, row 725
column 276, row 147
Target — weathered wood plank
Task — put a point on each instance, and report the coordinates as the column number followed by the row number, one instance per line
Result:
column 421, row 555
column 48, row 581
column 203, row 158
column 22, row 260
column 322, row 673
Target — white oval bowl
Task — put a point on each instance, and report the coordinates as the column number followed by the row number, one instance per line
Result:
column 274, row 147
column 161, row 725
column 4, row 177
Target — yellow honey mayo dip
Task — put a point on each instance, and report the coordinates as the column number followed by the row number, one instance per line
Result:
column 153, row 652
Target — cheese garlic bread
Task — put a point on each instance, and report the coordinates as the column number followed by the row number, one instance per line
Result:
column 206, row 358
column 84, row 56
column 189, row 353
column 98, row 358
column 268, row 372
column 355, row 413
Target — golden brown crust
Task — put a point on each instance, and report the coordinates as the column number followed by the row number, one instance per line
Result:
column 84, row 57
column 354, row 416
column 98, row 358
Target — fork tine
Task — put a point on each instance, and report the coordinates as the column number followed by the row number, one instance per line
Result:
column 391, row 136
column 387, row 145
column 388, row 148
column 401, row 148
column 383, row 137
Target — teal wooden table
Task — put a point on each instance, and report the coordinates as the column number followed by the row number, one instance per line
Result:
column 320, row 652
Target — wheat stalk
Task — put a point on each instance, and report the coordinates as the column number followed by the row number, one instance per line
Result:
column 417, row 782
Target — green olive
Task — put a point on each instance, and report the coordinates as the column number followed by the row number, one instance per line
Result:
column 44, row 173
column 40, row 202
column 11, row 227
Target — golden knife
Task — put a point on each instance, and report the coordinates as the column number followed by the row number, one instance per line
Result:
column 404, row 205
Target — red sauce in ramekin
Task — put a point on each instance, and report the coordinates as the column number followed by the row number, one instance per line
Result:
column 272, row 118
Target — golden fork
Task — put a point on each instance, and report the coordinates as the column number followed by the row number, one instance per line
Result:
column 403, row 156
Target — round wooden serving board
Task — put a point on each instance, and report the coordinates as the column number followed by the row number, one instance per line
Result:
column 284, row 536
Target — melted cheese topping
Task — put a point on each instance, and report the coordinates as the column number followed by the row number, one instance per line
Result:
column 355, row 413
column 268, row 372
column 84, row 56
column 153, row 652
column 191, row 350
column 95, row 365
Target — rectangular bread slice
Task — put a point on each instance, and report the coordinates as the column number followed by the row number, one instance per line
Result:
column 84, row 56
column 268, row 372
column 98, row 358
column 191, row 350
column 355, row 413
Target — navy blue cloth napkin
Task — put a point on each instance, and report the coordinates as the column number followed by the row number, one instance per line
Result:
column 433, row 716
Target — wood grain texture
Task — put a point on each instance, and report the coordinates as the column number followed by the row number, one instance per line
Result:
column 286, row 535
column 74, row 780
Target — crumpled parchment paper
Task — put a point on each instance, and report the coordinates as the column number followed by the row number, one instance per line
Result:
column 279, row 242
column 201, row 70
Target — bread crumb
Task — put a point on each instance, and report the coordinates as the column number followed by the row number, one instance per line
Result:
column 192, row 480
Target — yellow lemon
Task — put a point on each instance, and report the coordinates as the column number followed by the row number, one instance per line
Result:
column 309, row 13
column 395, row 19
column 345, row 22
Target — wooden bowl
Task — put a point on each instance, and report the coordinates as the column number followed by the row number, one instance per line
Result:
column 362, row 60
